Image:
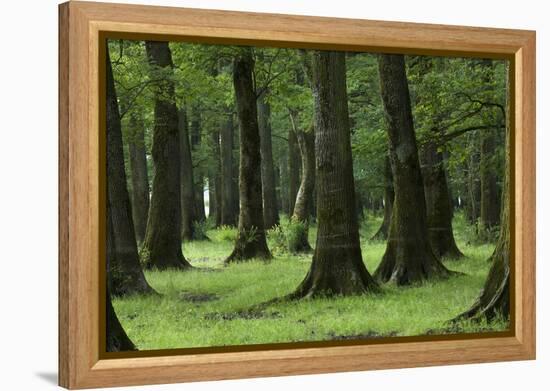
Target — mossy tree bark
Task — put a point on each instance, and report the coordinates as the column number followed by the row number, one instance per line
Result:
column 124, row 272
column 269, row 195
column 304, row 198
column 228, row 211
column 283, row 181
column 438, row 203
column 337, row 267
column 251, row 240
column 494, row 299
column 140, row 180
column 186, row 178
column 162, row 246
column 409, row 257
column 117, row 339
column 389, row 195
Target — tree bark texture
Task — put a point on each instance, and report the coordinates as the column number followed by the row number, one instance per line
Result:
column 162, row 246
column 124, row 272
column 271, row 213
column 251, row 240
column 438, row 204
column 337, row 267
column 409, row 257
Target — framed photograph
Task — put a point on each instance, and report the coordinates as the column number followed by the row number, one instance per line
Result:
column 246, row 195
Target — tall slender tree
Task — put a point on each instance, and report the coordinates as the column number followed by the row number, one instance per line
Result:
column 123, row 265
column 304, row 197
column 251, row 240
column 337, row 267
column 139, row 176
column 186, row 178
column 389, row 195
column 228, row 211
column 409, row 256
column 271, row 213
column 293, row 170
column 162, row 246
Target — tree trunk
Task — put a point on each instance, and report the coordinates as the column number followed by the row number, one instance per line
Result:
column 196, row 139
column 117, row 339
column 304, row 198
column 228, row 211
column 293, row 170
column 438, row 204
column 187, row 187
column 124, row 272
column 214, row 182
column 409, row 257
column 337, row 267
column 389, row 195
column 140, row 180
column 283, row 181
column 269, row 196
column 162, row 246
column 472, row 200
column 251, row 240
column 494, row 299
column 489, row 200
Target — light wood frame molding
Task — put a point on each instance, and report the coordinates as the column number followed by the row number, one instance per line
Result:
column 80, row 25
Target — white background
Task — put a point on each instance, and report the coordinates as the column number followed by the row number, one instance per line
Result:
column 28, row 194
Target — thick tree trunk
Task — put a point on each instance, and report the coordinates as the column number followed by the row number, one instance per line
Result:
column 438, row 204
column 271, row 213
column 494, row 299
column 409, row 257
column 162, row 246
column 389, row 195
column 140, row 180
column 304, row 198
column 337, row 267
column 293, row 170
column 124, row 272
column 228, row 212
column 251, row 240
column 117, row 339
column 187, row 187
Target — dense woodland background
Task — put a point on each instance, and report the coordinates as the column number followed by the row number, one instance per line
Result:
column 290, row 152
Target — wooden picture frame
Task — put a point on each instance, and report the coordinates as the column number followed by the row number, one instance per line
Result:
column 82, row 26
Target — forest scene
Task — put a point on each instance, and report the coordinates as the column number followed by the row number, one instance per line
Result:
column 270, row 195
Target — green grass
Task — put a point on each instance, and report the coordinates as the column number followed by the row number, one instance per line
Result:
column 204, row 307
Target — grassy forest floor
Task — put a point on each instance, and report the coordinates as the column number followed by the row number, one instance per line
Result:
column 204, row 307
